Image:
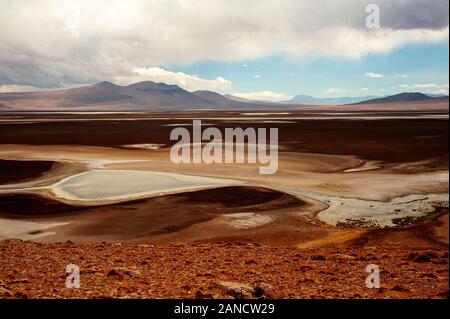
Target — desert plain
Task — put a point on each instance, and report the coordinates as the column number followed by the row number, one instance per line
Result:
column 354, row 186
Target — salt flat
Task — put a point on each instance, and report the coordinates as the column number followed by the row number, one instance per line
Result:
column 116, row 185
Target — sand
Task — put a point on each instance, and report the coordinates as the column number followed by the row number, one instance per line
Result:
column 359, row 174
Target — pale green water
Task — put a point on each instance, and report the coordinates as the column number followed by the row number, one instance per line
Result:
column 111, row 185
column 381, row 213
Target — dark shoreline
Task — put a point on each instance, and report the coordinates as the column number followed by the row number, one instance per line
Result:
column 21, row 171
column 151, row 216
column 387, row 140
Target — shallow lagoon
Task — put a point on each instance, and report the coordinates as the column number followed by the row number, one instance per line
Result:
column 116, row 185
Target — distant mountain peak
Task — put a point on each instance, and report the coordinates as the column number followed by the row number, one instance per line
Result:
column 105, row 85
column 206, row 92
column 150, row 85
column 400, row 97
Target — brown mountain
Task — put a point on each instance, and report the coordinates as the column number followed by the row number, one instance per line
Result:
column 151, row 96
column 401, row 97
column 215, row 98
column 145, row 95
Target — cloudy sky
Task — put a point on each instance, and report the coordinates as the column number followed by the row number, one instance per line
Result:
column 262, row 49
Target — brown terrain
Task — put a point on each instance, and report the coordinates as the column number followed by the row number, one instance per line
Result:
column 218, row 270
column 149, row 96
column 261, row 238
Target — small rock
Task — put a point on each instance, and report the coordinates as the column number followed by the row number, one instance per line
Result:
column 121, row 272
column 319, row 257
column 19, row 281
column 236, row 290
column 398, row 288
column 432, row 254
column 199, row 294
column 262, row 290
column 89, row 271
column 134, row 273
column 422, row 258
column 5, row 292
column 21, row 295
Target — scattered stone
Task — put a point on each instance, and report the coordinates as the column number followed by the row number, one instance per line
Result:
column 19, row 281
column 122, row 272
column 319, row 257
column 5, row 292
column 399, row 288
column 89, row 271
column 236, row 290
column 262, row 290
column 422, row 258
column 200, row 294
column 21, row 295
column 280, row 272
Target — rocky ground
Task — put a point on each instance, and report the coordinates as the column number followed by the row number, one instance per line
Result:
column 218, row 270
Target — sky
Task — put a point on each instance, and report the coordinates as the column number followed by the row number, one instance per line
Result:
column 257, row 49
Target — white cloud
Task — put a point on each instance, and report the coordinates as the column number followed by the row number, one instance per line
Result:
column 17, row 88
column 441, row 91
column 28, row 88
column 365, row 89
column 334, row 90
column 85, row 41
column 186, row 81
column 245, row 65
column 428, row 87
column 264, row 96
column 374, row 75
column 257, row 76
column 401, row 76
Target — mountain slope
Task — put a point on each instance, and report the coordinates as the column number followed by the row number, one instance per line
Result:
column 215, row 98
column 137, row 96
column 397, row 98
column 310, row 100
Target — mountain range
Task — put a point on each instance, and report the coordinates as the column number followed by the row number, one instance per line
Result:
column 151, row 96
column 310, row 100
column 137, row 96
column 401, row 97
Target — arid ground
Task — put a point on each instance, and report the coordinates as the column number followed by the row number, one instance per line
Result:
column 352, row 189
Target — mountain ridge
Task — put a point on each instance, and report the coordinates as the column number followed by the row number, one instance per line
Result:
column 140, row 95
column 153, row 96
column 400, row 97
column 311, row 100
